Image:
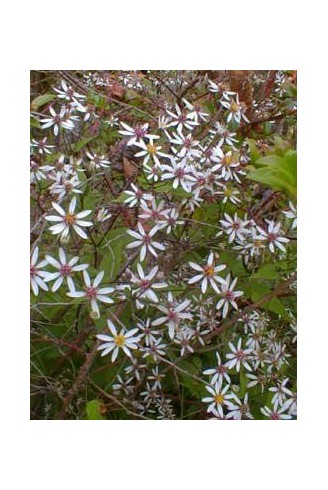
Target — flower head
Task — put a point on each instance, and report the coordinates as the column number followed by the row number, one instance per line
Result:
column 67, row 220
column 145, row 241
column 37, row 275
column 208, row 274
column 58, row 120
column 219, row 398
column 65, row 270
column 228, row 295
column 124, row 340
column 93, row 293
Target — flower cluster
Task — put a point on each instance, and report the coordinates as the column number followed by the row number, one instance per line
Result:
column 173, row 272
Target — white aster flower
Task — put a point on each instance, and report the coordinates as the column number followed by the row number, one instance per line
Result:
column 235, row 110
column 61, row 120
column 208, row 274
column 170, row 220
column 124, row 385
column 254, row 245
column 64, row 186
column 229, row 194
column 124, row 340
column 67, row 220
column 238, row 357
column 219, row 398
column 186, row 142
column 291, row 405
column 275, row 414
column 137, row 134
column 147, row 331
column 154, row 172
column 181, row 119
column 150, row 151
column 112, row 121
column 211, row 154
column 135, row 368
column 155, row 212
column 280, row 393
column 36, row 173
column 157, row 377
column 219, row 372
column 183, row 338
column 273, row 236
column 37, row 275
column 226, row 136
column 65, row 270
column 145, row 241
column 144, row 286
column 97, row 161
column 228, row 295
column 229, row 167
column 41, row 146
column 196, row 111
column 137, row 197
column 68, row 93
column 241, row 410
column 155, row 349
column 235, row 227
column 180, row 172
column 173, row 314
column 291, row 214
column 163, row 122
column 192, row 202
column 93, row 293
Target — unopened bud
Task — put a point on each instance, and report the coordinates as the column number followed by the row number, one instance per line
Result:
column 103, row 215
column 94, row 315
column 64, row 239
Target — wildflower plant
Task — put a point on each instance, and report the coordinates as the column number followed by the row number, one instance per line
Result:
column 176, row 298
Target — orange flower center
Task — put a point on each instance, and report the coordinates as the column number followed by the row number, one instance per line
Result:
column 70, row 219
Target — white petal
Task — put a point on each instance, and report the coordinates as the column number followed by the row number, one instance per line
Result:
column 80, row 232
column 86, row 278
column 98, row 279
column 58, row 209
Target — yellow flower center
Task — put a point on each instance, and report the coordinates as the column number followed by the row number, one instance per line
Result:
column 228, row 192
column 152, row 149
column 257, row 243
column 227, row 160
column 219, row 399
column 209, row 270
column 119, row 340
column 234, row 107
column 70, row 219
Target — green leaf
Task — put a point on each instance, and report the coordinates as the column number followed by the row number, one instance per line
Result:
column 291, row 90
column 116, row 241
column 234, row 266
column 269, row 160
column 195, row 388
column 267, row 271
column 93, row 410
column 41, row 100
column 281, row 146
column 34, row 123
column 256, row 290
column 82, row 143
column 277, row 172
